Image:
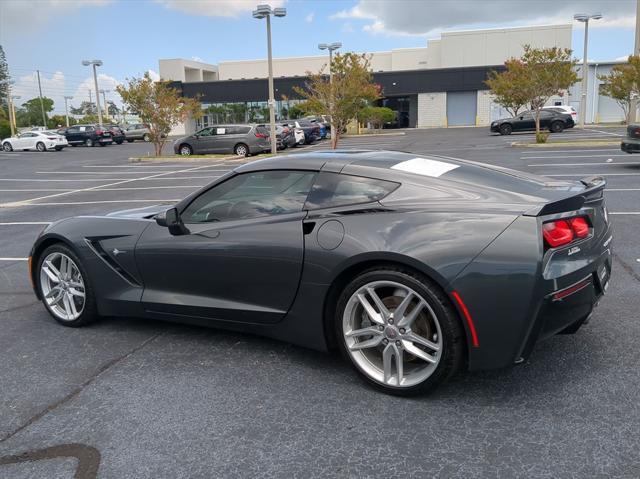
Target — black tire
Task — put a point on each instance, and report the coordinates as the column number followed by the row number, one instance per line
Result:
column 506, row 129
column 90, row 311
column 41, row 147
column 146, row 137
column 119, row 142
column 102, row 144
column 241, row 150
column 453, row 335
column 59, row 148
column 6, row 146
column 129, row 140
column 556, row 127
column 73, row 145
column 185, row 150
column 89, row 142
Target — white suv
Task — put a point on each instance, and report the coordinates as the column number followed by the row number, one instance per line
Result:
column 569, row 110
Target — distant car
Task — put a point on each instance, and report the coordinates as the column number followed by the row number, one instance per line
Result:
column 285, row 137
column 35, row 140
column 554, row 121
column 569, row 110
column 311, row 130
column 88, row 135
column 117, row 133
column 137, row 131
column 242, row 140
column 298, row 133
column 631, row 144
column 325, row 126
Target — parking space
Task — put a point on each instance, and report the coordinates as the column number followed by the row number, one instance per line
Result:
column 164, row 400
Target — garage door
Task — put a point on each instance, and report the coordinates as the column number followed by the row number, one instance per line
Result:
column 461, row 108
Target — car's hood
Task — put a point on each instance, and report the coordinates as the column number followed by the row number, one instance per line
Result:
column 138, row 213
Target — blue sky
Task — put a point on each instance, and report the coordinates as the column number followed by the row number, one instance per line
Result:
column 131, row 35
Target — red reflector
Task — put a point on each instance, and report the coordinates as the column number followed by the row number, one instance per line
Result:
column 467, row 317
column 98, row 132
column 580, row 226
column 260, row 135
column 557, row 233
column 563, row 293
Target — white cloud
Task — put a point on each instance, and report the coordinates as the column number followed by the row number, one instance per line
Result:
column 623, row 58
column 408, row 17
column 21, row 15
column 154, row 75
column 196, row 59
column 217, row 8
column 309, row 18
column 105, row 82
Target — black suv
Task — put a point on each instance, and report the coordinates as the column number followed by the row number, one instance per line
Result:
column 89, row 135
column 554, row 121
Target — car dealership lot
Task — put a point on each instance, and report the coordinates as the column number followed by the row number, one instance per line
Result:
column 162, row 400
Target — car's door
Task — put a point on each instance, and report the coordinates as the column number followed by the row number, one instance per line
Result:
column 28, row 140
column 545, row 118
column 525, row 121
column 242, row 257
column 203, row 141
column 72, row 134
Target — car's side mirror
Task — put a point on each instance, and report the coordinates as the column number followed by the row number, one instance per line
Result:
column 171, row 219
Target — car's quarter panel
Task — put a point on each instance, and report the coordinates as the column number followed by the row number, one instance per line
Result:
column 243, row 270
column 106, row 248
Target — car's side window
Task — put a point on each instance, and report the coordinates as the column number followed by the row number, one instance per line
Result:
column 251, row 195
column 205, row 132
column 336, row 189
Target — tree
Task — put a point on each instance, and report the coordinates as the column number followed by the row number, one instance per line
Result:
column 295, row 112
column 4, row 87
column 623, row 83
column 85, row 108
column 31, row 112
column 56, row 120
column 351, row 90
column 158, row 105
column 505, row 88
column 377, row 115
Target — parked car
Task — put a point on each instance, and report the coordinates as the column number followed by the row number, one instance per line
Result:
column 554, row 121
column 298, row 133
column 569, row 110
column 325, row 126
column 241, row 140
column 631, row 144
column 88, row 135
column 117, row 133
column 311, row 130
column 35, row 140
column 387, row 256
column 285, row 137
column 137, row 131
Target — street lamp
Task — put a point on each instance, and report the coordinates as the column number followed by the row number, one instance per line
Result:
column 265, row 11
column 331, row 47
column 104, row 97
column 12, row 115
column 66, row 108
column 95, row 63
column 583, row 17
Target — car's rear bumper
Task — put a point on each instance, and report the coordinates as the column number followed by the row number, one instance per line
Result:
column 630, row 145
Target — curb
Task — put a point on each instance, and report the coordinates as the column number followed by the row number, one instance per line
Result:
column 183, row 159
column 556, row 144
column 402, row 133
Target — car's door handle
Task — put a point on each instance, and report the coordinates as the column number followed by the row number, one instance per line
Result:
column 308, row 226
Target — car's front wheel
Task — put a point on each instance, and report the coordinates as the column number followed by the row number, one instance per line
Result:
column 556, row 127
column 146, row 137
column 64, row 287
column 41, row 147
column 6, row 146
column 506, row 129
column 88, row 142
column 399, row 331
column 185, row 150
column 241, row 149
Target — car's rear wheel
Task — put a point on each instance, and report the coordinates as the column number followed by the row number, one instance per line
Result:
column 241, row 149
column 185, row 150
column 41, row 147
column 6, row 146
column 506, row 129
column 399, row 331
column 146, row 137
column 119, row 142
column 64, row 287
column 88, row 142
column 556, row 127
column 59, row 148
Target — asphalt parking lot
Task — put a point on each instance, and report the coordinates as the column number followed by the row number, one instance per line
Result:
column 133, row 398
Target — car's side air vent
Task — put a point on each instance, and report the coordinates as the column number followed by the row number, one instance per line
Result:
column 364, row 211
column 96, row 247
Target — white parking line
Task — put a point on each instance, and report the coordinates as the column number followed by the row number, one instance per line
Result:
column 119, row 182
column 50, row 180
column 622, row 189
column 40, row 189
column 589, row 163
column 596, row 174
column 151, row 188
column 624, row 212
column 580, row 151
column 15, row 223
column 14, row 259
column 110, row 173
column 142, row 167
column 568, row 156
column 100, row 202
column 603, row 132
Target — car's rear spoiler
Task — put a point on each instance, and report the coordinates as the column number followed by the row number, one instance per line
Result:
column 594, row 189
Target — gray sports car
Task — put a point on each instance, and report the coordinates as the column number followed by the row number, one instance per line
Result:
column 414, row 267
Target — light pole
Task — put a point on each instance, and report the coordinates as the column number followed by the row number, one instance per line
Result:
column 584, row 18
column 66, row 108
column 14, row 126
column 265, row 11
column 331, row 47
column 633, row 104
column 12, row 118
column 104, row 97
column 95, row 63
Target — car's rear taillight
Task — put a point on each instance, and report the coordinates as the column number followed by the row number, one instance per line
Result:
column 51, row 138
column 261, row 135
column 562, row 232
column 99, row 132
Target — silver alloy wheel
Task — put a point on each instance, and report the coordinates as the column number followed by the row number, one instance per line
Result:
column 40, row 146
column 88, row 142
column 241, row 150
column 185, row 150
column 62, row 286
column 392, row 334
column 7, row 147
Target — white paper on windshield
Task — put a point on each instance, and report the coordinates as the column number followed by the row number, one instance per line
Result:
column 220, row 131
column 426, row 167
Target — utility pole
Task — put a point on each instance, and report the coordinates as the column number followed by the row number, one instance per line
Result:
column 633, row 104
column 90, row 99
column 12, row 120
column 66, row 108
column 44, row 117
